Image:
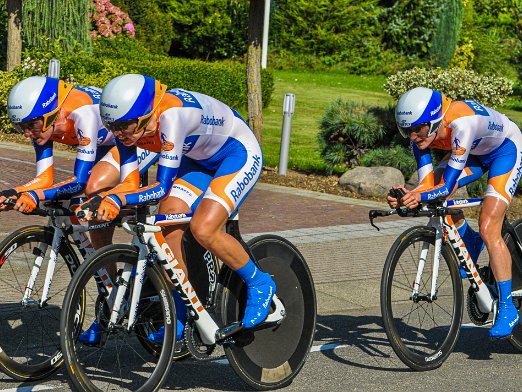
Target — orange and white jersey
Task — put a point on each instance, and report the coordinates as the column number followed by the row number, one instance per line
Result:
column 196, row 129
column 84, row 129
column 473, row 130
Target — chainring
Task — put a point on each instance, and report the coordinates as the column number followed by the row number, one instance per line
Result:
column 195, row 345
column 474, row 313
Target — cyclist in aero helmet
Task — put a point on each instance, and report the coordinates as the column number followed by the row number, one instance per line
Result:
column 209, row 162
column 478, row 140
column 48, row 110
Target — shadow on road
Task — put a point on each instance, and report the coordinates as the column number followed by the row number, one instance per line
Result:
column 366, row 335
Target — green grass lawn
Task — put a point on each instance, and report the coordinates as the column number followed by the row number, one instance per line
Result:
column 313, row 92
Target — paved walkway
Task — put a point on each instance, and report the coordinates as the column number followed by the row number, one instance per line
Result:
column 332, row 232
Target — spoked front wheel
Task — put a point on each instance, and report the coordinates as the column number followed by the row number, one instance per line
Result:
column 117, row 359
column 269, row 357
column 29, row 332
column 422, row 329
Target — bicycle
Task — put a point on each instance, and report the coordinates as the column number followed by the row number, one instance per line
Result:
column 265, row 357
column 421, row 302
column 36, row 263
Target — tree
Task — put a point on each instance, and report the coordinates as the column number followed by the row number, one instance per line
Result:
column 47, row 21
column 253, row 69
column 14, row 33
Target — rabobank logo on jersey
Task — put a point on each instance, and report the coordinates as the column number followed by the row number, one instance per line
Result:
column 69, row 189
column 492, row 126
column 248, row 177
column 152, row 195
column 14, row 107
column 206, row 120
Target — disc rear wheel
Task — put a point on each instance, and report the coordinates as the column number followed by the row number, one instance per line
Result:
column 269, row 357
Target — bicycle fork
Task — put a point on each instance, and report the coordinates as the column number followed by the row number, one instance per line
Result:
column 39, row 252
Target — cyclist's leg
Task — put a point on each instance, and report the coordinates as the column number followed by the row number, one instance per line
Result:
column 505, row 166
column 105, row 175
column 185, row 195
column 239, row 169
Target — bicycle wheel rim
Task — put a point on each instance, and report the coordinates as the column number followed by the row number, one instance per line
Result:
column 423, row 333
column 516, row 337
column 120, row 361
column 270, row 358
column 29, row 335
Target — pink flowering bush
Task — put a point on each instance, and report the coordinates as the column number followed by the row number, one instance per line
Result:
column 107, row 20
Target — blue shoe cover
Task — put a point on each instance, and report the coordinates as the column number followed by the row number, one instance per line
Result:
column 259, row 298
column 181, row 315
column 92, row 335
column 506, row 321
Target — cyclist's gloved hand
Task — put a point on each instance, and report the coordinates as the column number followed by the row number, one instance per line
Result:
column 27, row 202
column 109, row 208
column 102, row 208
column 8, row 194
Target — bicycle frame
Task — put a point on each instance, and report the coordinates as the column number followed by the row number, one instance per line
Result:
column 444, row 226
column 149, row 239
column 63, row 225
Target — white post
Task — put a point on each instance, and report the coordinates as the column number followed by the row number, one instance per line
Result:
column 264, row 46
column 288, row 111
column 54, row 69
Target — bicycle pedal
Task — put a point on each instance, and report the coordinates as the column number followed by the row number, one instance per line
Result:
column 30, row 303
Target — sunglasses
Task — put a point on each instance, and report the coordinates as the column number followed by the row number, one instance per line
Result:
column 120, row 126
column 27, row 124
column 433, row 125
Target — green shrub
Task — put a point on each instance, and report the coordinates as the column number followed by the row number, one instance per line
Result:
column 43, row 22
column 398, row 157
column 456, row 83
column 335, row 31
column 409, row 26
column 209, row 29
column 446, row 34
column 152, row 23
column 224, row 81
column 347, row 130
column 7, row 81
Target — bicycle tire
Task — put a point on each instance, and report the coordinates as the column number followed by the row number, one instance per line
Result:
column 421, row 347
column 269, row 358
column 109, row 365
column 516, row 337
column 37, row 326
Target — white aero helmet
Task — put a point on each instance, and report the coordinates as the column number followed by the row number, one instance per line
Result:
column 419, row 107
column 128, row 99
column 36, row 98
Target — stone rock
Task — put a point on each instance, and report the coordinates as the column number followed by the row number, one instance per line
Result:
column 371, row 181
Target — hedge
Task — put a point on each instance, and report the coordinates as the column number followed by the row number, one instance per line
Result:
column 224, row 81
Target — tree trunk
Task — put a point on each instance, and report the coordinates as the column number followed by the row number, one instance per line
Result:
column 253, row 69
column 14, row 33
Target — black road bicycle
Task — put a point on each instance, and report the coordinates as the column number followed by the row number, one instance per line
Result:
column 422, row 298
column 136, row 301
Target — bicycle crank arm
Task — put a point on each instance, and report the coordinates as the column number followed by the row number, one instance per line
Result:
column 276, row 317
column 229, row 330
